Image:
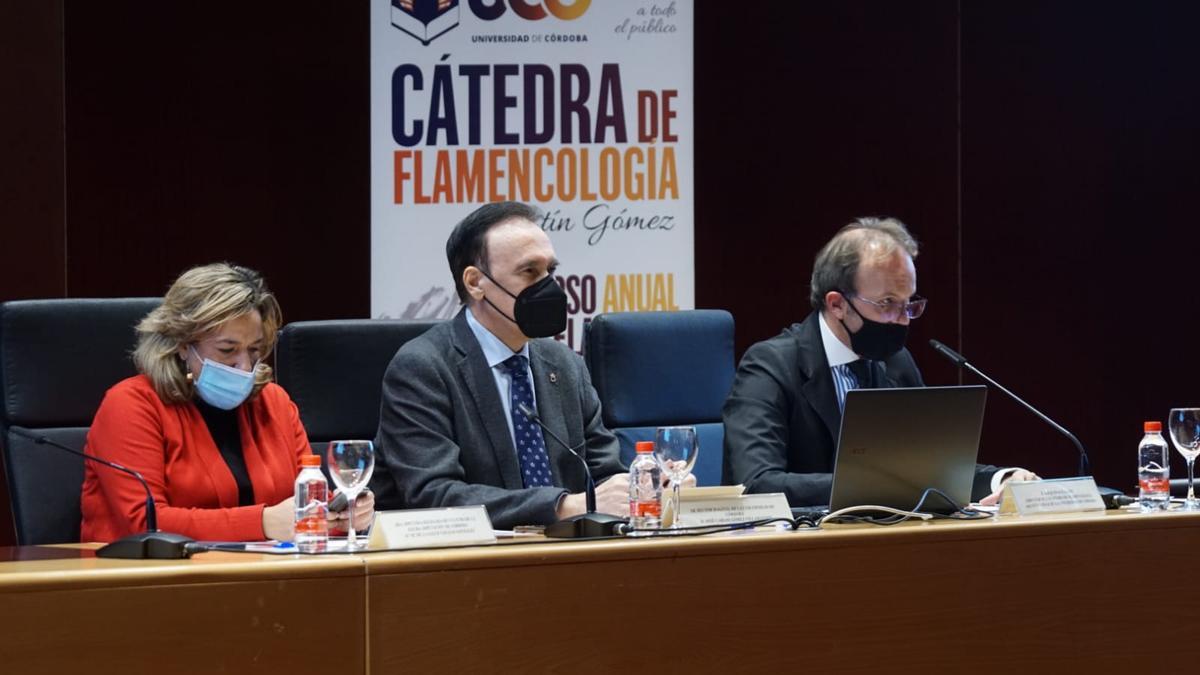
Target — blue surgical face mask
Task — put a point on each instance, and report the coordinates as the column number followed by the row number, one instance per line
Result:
column 222, row 386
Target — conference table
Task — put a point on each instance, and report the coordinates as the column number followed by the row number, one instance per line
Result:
column 1040, row 594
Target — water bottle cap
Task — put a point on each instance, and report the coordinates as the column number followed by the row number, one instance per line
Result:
column 1152, row 427
column 644, row 446
column 310, row 460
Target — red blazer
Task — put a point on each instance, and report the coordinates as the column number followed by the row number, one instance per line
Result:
column 169, row 444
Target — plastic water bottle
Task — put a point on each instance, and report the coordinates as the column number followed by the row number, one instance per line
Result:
column 1154, row 469
column 312, row 506
column 645, row 490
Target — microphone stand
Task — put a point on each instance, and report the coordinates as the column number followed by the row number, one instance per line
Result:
column 590, row 524
column 150, row 544
column 959, row 360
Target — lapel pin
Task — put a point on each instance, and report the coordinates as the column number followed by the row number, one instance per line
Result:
column 553, row 378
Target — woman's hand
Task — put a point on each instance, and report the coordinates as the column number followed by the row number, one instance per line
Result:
column 364, row 513
column 278, row 520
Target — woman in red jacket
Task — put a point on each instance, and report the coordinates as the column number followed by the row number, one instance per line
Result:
column 218, row 443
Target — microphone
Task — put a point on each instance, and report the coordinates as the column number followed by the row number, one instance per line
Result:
column 955, row 358
column 1115, row 499
column 960, row 361
column 590, row 524
column 150, row 544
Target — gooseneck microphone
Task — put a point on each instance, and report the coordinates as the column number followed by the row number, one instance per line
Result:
column 149, row 544
column 590, row 524
column 959, row 360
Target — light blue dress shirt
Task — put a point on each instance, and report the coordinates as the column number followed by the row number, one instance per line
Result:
column 496, row 353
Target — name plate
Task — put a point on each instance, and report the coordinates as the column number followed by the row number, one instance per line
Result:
column 1059, row 495
column 430, row 528
column 700, row 512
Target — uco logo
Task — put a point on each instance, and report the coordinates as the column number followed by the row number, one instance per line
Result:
column 425, row 20
column 531, row 10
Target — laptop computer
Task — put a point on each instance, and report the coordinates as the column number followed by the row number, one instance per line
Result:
column 896, row 443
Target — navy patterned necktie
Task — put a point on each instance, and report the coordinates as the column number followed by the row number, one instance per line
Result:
column 531, row 446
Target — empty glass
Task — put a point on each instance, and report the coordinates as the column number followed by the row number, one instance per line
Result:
column 676, row 448
column 1185, row 434
column 350, row 465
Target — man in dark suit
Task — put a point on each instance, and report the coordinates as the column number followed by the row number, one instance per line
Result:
column 784, row 411
column 451, row 430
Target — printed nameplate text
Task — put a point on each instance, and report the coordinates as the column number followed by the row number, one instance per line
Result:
column 428, row 528
column 734, row 509
column 1059, row 495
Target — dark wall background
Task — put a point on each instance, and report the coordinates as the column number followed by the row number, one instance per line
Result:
column 1079, row 144
column 1041, row 151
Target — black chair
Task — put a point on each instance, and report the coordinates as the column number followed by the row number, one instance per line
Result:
column 333, row 370
column 656, row 369
column 57, row 359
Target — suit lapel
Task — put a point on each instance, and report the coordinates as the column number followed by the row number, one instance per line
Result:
column 546, row 383
column 818, row 381
column 884, row 380
column 478, row 378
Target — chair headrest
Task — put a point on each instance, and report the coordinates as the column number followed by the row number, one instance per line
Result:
column 333, row 370
column 58, row 357
column 657, row 368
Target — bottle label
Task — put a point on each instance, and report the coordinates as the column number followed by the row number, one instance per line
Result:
column 311, row 508
column 641, row 509
column 1155, row 485
column 312, row 525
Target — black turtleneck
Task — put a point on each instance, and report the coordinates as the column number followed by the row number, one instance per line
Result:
column 223, row 426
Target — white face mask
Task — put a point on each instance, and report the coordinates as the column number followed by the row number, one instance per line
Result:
column 222, row 386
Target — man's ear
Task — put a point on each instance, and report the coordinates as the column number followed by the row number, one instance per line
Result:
column 471, row 278
column 835, row 305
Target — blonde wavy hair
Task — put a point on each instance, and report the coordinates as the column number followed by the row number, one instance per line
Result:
column 201, row 299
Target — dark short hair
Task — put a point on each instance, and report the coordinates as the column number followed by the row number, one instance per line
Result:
column 467, row 244
column 837, row 264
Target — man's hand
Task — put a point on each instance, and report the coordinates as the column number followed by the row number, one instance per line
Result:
column 1019, row 474
column 688, row 481
column 612, row 497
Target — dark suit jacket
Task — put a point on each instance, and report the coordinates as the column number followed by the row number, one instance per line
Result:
column 782, row 417
column 443, row 439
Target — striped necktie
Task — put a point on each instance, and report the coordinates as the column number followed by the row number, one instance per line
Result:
column 853, row 375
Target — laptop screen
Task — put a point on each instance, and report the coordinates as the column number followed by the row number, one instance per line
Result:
column 896, row 443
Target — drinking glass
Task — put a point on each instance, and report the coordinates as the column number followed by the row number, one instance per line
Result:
column 676, row 448
column 1185, row 434
column 350, row 465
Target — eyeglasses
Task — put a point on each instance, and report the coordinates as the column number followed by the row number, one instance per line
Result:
column 893, row 309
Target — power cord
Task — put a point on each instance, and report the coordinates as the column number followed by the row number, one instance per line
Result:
column 895, row 516
column 701, row 530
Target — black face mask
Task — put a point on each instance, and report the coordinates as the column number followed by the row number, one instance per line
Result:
column 540, row 309
column 875, row 340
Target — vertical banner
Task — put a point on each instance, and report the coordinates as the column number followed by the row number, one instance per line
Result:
column 582, row 109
